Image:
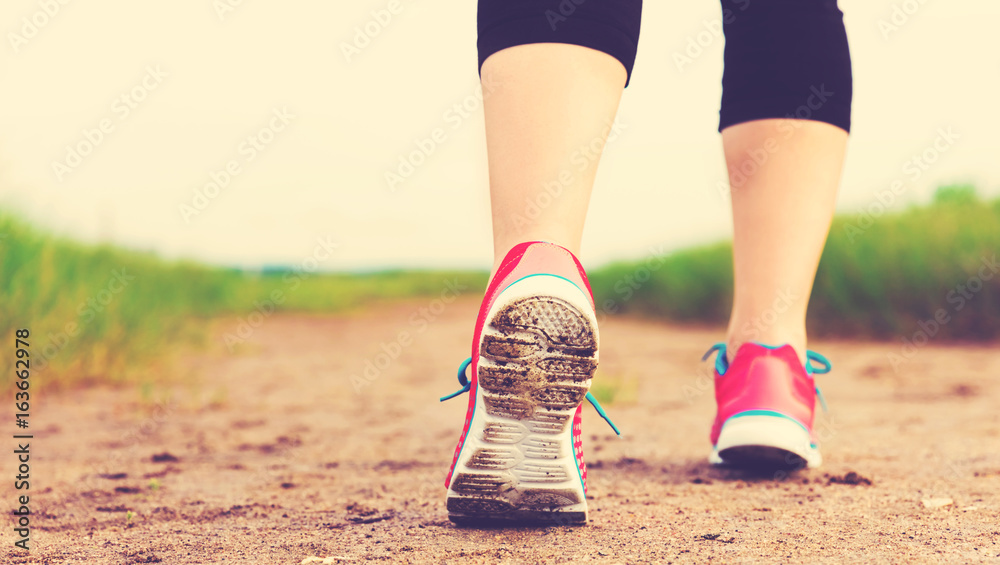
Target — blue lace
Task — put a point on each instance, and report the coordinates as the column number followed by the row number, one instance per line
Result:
column 722, row 364
column 467, row 386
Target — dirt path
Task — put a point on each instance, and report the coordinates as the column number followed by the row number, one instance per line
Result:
column 272, row 457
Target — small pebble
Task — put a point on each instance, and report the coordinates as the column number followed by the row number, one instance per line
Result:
column 937, row 502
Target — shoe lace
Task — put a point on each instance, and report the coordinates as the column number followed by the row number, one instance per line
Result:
column 722, row 364
column 467, row 386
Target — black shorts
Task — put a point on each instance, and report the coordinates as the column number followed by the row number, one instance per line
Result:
column 783, row 58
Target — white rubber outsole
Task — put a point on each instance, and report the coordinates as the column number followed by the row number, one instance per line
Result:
column 538, row 353
column 762, row 440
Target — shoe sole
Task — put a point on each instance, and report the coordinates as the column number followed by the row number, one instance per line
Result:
column 537, row 356
column 761, row 441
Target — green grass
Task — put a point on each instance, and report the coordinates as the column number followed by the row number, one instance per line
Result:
column 877, row 279
column 689, row 285
column 615, row 389
column 907, row 267
column 95, row 312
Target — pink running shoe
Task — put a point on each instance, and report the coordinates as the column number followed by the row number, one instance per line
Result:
column 766, row 401
column 534, row 352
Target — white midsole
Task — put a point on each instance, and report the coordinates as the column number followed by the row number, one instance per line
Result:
column 767, row 431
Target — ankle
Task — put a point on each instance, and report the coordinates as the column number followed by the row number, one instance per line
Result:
column 773, row 336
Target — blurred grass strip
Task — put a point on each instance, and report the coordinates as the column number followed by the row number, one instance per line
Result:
column 876, row 279
column 100, row 313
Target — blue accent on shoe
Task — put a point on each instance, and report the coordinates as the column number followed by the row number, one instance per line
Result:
column 597, row 406
column 721, row 361
column 822, row 400
column 544, row 275
column 813, row 356
column 766, row 413
column 467, row 386
column 810, row 370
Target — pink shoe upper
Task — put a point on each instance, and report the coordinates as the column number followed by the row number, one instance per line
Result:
column 761, row 379
column 524, row 259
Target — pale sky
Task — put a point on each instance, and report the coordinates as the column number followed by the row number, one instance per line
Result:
column 184, row 89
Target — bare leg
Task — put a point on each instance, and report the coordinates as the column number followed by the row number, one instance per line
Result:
column 782, row 208
column 549, row 102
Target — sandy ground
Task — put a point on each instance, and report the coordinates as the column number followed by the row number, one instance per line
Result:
column 270, row 455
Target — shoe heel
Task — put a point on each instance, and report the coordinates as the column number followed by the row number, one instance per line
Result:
column 538, row 354
column 765, row 440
